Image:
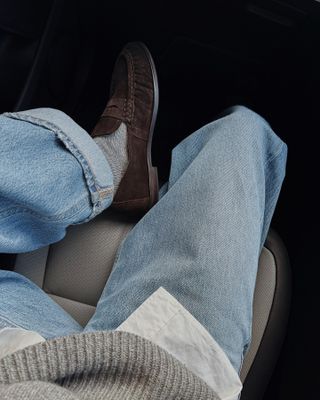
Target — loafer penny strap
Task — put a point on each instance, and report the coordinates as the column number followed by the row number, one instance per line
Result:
column 116, row 108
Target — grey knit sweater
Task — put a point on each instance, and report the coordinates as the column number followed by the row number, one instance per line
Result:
column 99, row 366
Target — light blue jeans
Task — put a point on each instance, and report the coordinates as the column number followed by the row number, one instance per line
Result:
column 201, row 241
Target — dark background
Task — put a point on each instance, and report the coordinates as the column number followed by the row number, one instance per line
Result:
column 209, row 55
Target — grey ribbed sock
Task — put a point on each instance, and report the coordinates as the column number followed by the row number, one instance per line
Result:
column 114, row 147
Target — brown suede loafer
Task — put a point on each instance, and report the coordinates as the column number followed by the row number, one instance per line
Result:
column 134, row 99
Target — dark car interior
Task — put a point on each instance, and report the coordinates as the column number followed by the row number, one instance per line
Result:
column 209, row 55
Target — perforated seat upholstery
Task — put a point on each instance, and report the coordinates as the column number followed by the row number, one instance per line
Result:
column 74, row 271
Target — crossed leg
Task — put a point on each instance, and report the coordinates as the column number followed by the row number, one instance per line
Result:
column 202, row 240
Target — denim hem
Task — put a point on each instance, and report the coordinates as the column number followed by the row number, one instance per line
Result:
column 96, row 170
column 71, row 213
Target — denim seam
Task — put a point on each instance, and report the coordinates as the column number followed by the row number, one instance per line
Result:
column 13, row 324
column 274, row 156
column 91, row 182
column 56, row 218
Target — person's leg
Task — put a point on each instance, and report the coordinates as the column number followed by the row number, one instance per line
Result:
column 202, row 240
column 52, row 175
column 24, row 305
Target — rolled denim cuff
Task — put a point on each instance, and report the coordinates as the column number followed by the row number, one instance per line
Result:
column 96, row 169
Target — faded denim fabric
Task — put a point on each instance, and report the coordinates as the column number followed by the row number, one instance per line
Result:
column 201, row 241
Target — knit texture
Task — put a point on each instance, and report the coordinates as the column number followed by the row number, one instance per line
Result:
column 114, row 147
column 99, row 365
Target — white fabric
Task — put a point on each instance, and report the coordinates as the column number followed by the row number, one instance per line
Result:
column 14, row 339
column 165, row 322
